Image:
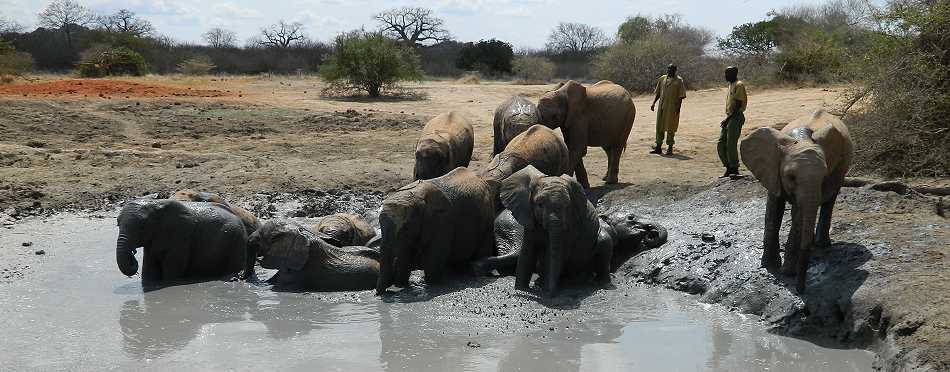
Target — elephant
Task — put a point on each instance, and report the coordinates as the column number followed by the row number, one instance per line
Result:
column 562, row 234
column 804, row 164
column 600, row 115
column 539, row 146
column 249, row 219
column 447, row 142
column 628, row 232
column 344, row 229
column 307, row 262
column 435, row 225
column 181, row 240
column 512, row 117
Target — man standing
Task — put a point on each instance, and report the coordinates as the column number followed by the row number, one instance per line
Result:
column 670, row 91
column 736, row 100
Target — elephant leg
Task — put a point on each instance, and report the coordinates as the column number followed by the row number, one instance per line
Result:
column 607, row 175
column 613, row 165
column 581, row 173
column 790, row 266
column 435, row 260
column 504, row 265
column 602, row 262
column 174, row 265
column 527, row 262
column 774, row 211
column 237, row 265
column 151, row 268
column 823, row 235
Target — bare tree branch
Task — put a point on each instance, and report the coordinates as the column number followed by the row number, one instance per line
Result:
column 412, row 26
column 8, row 25
column 576, row 38
column 124, row 21
column 220, row 38
column 65, row 15
column 282, row 35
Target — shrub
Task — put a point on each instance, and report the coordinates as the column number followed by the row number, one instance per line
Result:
column 533, row 69
column 13, row 63
column 636, row 65
column 100, row 62
column 490, row 57
column 815, row 56
column 196, row 66
column 369, row 62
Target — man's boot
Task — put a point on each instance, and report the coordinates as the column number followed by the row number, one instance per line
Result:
column 657, row 150
column 727, row 174
column 669, row 150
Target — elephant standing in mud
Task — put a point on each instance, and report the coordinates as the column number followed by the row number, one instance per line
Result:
column 307, row 262
column 249, row 219
column 447, row 142
column 512, row 117
column 805, row 164
column 181, row 240
column 439, row 225
column 600, row 115
column 344, row 229
column 537, row 146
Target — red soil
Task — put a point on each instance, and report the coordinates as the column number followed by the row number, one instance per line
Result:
column 103, row 88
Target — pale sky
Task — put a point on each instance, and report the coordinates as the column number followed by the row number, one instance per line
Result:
column 523, row 23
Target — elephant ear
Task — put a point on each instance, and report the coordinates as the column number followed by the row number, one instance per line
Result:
column 516, row 193
column 291, row 250
column 576, row 94
column 762, row 152
column 835, row 143
column 584, row 211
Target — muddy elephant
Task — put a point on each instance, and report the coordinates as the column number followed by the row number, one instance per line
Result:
column 344, row 229
column 629, row 234
column 307, row 262
column 600, row 116
column 538, row 146
column 512, row 117
column 447, row 142
column 562, row 233
column 439, row 225
column 250, row 221
column 804, row 164
column 181, row 240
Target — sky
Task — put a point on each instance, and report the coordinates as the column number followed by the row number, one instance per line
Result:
column 523, row 23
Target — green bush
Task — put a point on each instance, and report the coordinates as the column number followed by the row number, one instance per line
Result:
column 490, row 57
column 815, row 56
column 636, row 65
column 368, row 62
column 13, row 63
column 530, row 69
column 100, row 62
column 196, row 66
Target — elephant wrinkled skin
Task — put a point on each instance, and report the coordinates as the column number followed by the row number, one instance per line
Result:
column 512, row 117
column 344, row 229
column 251, row 222
column 538, row 146
column 447, row 142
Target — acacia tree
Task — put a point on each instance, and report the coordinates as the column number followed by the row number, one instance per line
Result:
column 220, row 38
column 412, row 26
column 66, row 15
column 576, row 39
column 281, row 35
column 126, row 22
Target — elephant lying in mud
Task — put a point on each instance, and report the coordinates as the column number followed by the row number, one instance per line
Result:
column 434, row 225
column 512, row 117
column 629, row 234
column 307, row 262
column 600, row 115
column 344, row 229
column 249, row 219
column 804, row 164
column 447, row 142
column 181, row 240
column 538, row 146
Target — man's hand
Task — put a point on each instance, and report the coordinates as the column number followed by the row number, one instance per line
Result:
column 722, row 124
column 653, row 107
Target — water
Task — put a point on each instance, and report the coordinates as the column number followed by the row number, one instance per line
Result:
column 73, row 310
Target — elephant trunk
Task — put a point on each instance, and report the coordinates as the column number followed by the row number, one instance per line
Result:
column 392, row 258
column 654, row 235
column 809, row 210
column 125, row 255
column 554, row 257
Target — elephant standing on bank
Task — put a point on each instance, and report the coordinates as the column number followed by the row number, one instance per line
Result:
column 512, row 117
column 181, row 240
column 447, row 142
column 307, row 262
column 439, row 225
column 344, row 229
column 804, row 164
column 250, row 220
column 538, row 146
column 600, row 115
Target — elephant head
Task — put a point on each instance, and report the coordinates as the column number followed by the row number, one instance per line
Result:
column 433, row 158
column 554, row 206
column 632, row 235
column 136, row 222
column 556, row 107
column 283, row 244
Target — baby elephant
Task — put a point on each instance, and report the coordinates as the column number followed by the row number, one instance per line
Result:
column 344, row 229
column 250, row 221
column 512, row 117
column 538, row 146
column 306, row 262
column 182, row 240
column 447, row 142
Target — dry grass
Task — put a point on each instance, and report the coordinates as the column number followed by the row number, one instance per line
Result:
column 469, row 79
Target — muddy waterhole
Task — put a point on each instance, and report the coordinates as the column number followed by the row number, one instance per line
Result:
column 74, row 310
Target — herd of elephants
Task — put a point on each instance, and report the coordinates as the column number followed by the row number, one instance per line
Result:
column 524, row 214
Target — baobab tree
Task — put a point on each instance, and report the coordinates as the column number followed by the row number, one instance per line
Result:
column 126, row 22
column 576, row 39
column 412, row 26
column 281, row 35
column 65, row 15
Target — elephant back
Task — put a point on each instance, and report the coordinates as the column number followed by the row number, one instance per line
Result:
column 541, row 147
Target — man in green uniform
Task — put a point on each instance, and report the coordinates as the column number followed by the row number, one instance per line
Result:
column 736, row 100
column 670, row 91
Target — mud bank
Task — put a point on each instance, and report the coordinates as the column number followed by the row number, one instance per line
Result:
column 883, row 285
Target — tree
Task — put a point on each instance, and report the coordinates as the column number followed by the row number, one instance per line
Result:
column 755, row 40
column 220, row 38
column 412, row 26
column 9, row 26
column 489, row 56
column 370, row 62
column 66, row 15
column 635, row 28
column 282, row 35
column 125, row 22
column 576, row 39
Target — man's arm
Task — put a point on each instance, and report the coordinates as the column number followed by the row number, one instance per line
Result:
column 656, row 94
column 682, row 96
column 734, row 111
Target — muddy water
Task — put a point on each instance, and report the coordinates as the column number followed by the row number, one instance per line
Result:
column 72, row 309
